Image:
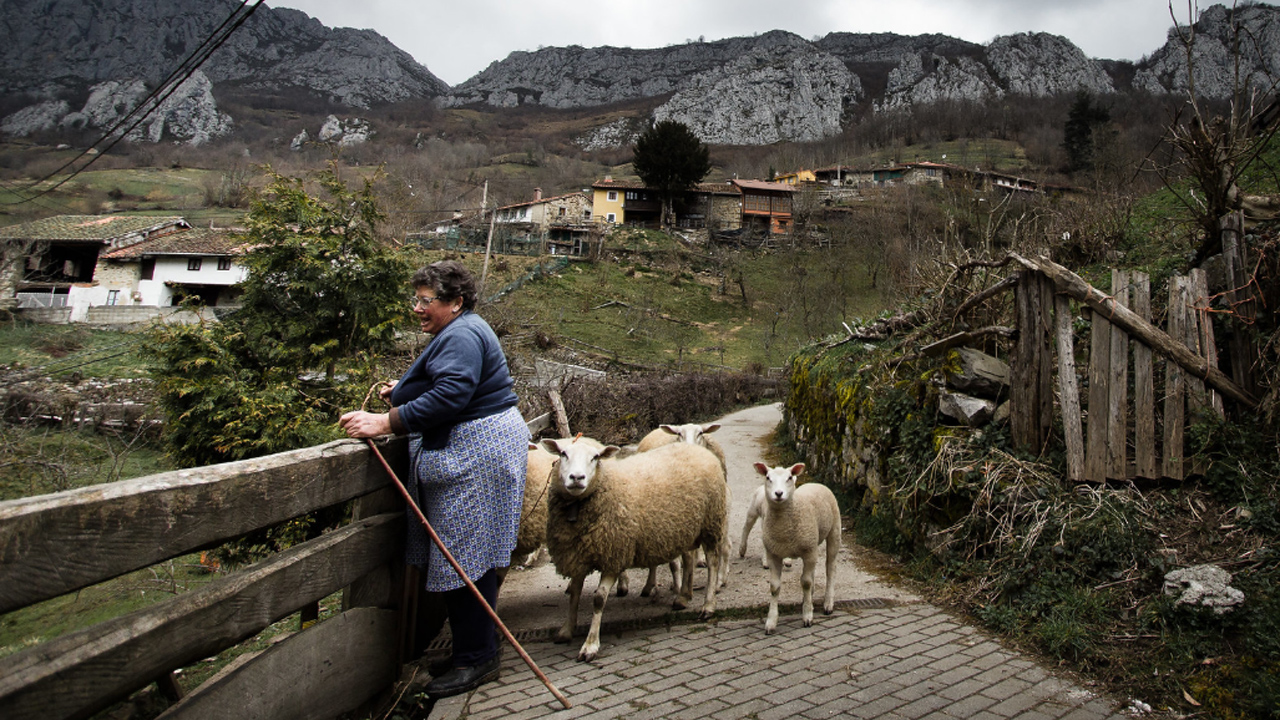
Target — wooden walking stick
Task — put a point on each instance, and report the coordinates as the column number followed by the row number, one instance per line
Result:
column 404, row 493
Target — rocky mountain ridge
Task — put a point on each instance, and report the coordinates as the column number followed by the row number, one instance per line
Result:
column 57, row 54
column 66, row 60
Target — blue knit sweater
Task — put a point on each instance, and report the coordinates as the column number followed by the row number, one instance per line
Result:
column 461, row 375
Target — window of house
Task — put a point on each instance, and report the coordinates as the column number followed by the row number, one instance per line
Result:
column 193, row 264
column 613, row 196
column 148, row 269
column 224, row 263
column 113, row 297
column 611, row 217
column 586, row 214
column 633, row 195
column 563, row 211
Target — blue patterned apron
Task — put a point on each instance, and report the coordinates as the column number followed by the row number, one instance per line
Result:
column 471, row 491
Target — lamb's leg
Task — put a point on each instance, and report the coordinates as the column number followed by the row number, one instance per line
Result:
column 806, row 585
column 833, row 553
column 775, row 587
column 592, row 645
column 753, row 513
column 685, row 595
column 624, row 586
column 714, row 555
column 574, row 591
column 651, row 583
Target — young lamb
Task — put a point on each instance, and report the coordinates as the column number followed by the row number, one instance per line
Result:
column 796, row 521
column 753, row 513
column 694, row 434
column 608, row 515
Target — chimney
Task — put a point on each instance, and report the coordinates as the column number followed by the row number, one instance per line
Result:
column 608, row 178
column 537, row 194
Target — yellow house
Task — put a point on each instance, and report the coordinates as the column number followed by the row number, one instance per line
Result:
column 619, row 202
column 795, row 178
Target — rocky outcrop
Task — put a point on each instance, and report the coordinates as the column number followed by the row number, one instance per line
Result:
column 918, row 80
column 784, row 91
column 1040, row 64
column 1212, row 37
column 188, row 114
column 48, row 48
column 574, row 76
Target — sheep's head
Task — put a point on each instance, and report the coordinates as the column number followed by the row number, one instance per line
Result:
column 691, row 433
column 779, row 482
column 577, row 463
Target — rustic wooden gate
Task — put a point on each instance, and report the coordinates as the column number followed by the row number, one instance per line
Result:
column 1123, row 430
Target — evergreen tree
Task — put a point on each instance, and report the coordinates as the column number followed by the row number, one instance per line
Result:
column 670, row 159
column 323, row 293
column 1078, row 138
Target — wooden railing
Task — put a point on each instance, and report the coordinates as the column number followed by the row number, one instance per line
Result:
column 55, row 544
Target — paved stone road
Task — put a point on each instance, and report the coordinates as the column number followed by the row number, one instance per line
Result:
column 885, row 653
column 907, row 661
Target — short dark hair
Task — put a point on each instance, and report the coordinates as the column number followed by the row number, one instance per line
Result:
column 449, row 279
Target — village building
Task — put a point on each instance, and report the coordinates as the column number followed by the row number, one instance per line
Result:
column 50, row 262
column 114, row 269
column 766, row 206
column 560, row 225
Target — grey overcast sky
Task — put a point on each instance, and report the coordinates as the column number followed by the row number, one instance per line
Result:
column 455, row 39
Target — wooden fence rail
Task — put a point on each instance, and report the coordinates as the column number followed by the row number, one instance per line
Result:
column 1124, row 436
column 55, row 544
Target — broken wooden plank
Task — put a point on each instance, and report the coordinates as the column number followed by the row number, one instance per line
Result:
column 1144, row 394
column 1069, row 389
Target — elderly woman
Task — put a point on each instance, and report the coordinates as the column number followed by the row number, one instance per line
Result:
column 467, row 443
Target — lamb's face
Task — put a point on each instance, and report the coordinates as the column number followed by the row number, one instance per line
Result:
column 779, row 482
column 577, row 463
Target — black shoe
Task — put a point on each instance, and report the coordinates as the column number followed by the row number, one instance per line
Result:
column 439, row 667
column 464, row 679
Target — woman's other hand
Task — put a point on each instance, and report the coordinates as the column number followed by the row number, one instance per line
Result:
column 361, row 424
column 387, row 387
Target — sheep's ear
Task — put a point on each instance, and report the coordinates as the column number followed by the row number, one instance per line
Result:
column 762, row 468
column 797, row 469
column 609, row 451
column 669, row 429
column 551, row 445
column 533, row 445
column 710, row 428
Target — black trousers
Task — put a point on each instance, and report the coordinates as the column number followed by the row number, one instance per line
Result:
column 474, row 633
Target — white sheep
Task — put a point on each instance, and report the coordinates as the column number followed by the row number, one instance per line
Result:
column 796, row 521
column 753, row 513
column 532, row 534
column 694, row 434
column 607, row 515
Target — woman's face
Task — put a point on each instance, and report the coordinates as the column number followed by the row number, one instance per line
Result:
column 433, row 312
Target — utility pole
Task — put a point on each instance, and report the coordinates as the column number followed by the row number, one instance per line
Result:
column 488, row 246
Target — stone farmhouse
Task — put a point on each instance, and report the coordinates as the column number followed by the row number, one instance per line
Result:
column 114, row 269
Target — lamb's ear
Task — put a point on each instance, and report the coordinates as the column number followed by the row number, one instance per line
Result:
column 762, row 468
column 533, row 445
column 669, row 429
column 551, row 445
column 710, row 428
column 797, row 469
column 608, row 451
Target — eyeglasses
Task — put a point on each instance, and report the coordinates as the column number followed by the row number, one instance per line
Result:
column 418, row 301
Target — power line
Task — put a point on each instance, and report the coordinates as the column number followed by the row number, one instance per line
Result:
column 152, row 102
